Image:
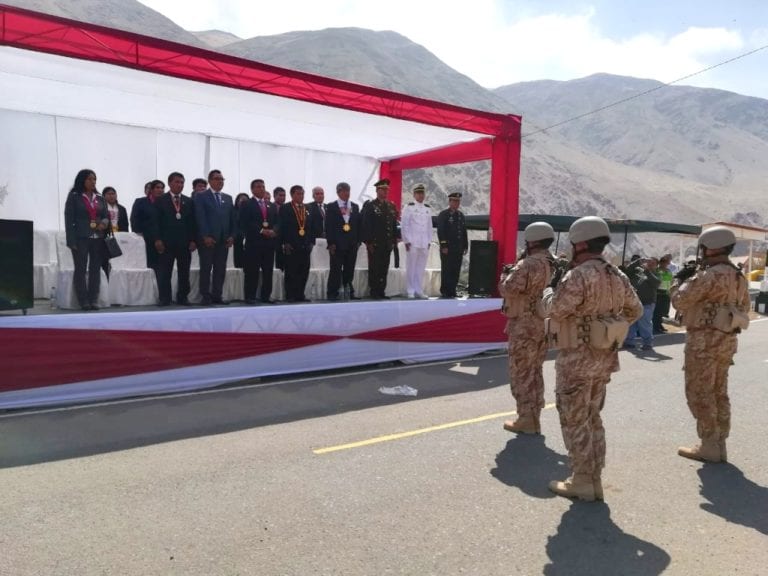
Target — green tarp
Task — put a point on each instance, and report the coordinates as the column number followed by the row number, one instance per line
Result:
column 563, row 223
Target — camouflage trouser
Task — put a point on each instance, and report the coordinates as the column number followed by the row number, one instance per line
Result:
column 579, row 402
column 708, row 355
column 526, row 378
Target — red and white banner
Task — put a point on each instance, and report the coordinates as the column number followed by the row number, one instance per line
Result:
column 67, row 358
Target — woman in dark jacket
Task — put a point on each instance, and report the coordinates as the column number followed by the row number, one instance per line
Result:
column 85, row 220
column 118, row 222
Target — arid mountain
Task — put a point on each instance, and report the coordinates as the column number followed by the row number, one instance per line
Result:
column 679, row 153
column 127, row 15
column 382, row 59
column 697, row 135
column 216, row 38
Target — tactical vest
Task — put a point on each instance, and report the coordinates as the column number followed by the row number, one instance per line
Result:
column 606, row 331
column 516, row 306
column 723, row 316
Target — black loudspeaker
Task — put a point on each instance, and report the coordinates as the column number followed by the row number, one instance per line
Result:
column 482, row 267
column 16, row 273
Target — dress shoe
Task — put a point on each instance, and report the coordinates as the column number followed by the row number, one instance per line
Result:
column 353, row 297
column 86, row 307
column 206, row 301
column 163, row 304
column 220, row 302
column 269, row 301
column 184, row 302
column 333, row 298
column 250, row 301
column 94, row 306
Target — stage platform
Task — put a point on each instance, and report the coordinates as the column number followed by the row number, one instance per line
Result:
column 76, row 357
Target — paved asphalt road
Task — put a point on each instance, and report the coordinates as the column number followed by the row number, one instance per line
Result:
column 327, row 476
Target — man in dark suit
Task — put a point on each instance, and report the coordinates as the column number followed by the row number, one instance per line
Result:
column 379, row 232
column 216, row 230
column 143, row 215
column 342, row 231
column 259, row 223
column 452, row 234
column 297, row 238
column 173, row 237
column 317, row 211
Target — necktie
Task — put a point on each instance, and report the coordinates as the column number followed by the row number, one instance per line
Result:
column 263, row 208
column 176, row 201
column 218, row 198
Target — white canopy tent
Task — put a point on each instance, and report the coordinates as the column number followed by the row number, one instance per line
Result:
column 60, row 114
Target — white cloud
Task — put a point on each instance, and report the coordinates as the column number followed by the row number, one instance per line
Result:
column 479, row 41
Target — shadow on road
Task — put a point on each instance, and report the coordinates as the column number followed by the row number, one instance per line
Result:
column 588, row 543
column 734, row 497
column 528, row 464
column 34, row 437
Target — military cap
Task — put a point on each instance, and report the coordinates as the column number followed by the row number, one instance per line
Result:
column 419, row 188
column 588, row 228
column 383, row 183
column 717, row 237
column 454, row 195
column 536, row 231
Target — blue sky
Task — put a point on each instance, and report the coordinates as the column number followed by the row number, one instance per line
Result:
column 497, row 42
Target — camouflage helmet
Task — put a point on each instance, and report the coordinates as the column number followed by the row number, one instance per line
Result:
column 588, row 228
column 717, row 237
column 536, row 231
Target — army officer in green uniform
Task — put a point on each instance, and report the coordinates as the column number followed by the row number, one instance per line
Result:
column 452, row 234
column 379, row 233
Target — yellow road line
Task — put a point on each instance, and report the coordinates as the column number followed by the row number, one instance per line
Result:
column 409, row 433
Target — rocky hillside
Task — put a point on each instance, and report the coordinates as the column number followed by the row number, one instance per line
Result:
column 382, row 59
column 127, row 15
column 216, row 38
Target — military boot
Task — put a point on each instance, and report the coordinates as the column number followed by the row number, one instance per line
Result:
column 597, row 484
column 524, row 424
column 707, row 451
column 580, row 486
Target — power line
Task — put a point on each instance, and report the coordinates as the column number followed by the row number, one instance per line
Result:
column 645, row 92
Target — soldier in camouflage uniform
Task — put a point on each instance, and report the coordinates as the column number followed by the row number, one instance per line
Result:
column 522, row 287
column 591, row 289
column 710, row 345
column 378, row 220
